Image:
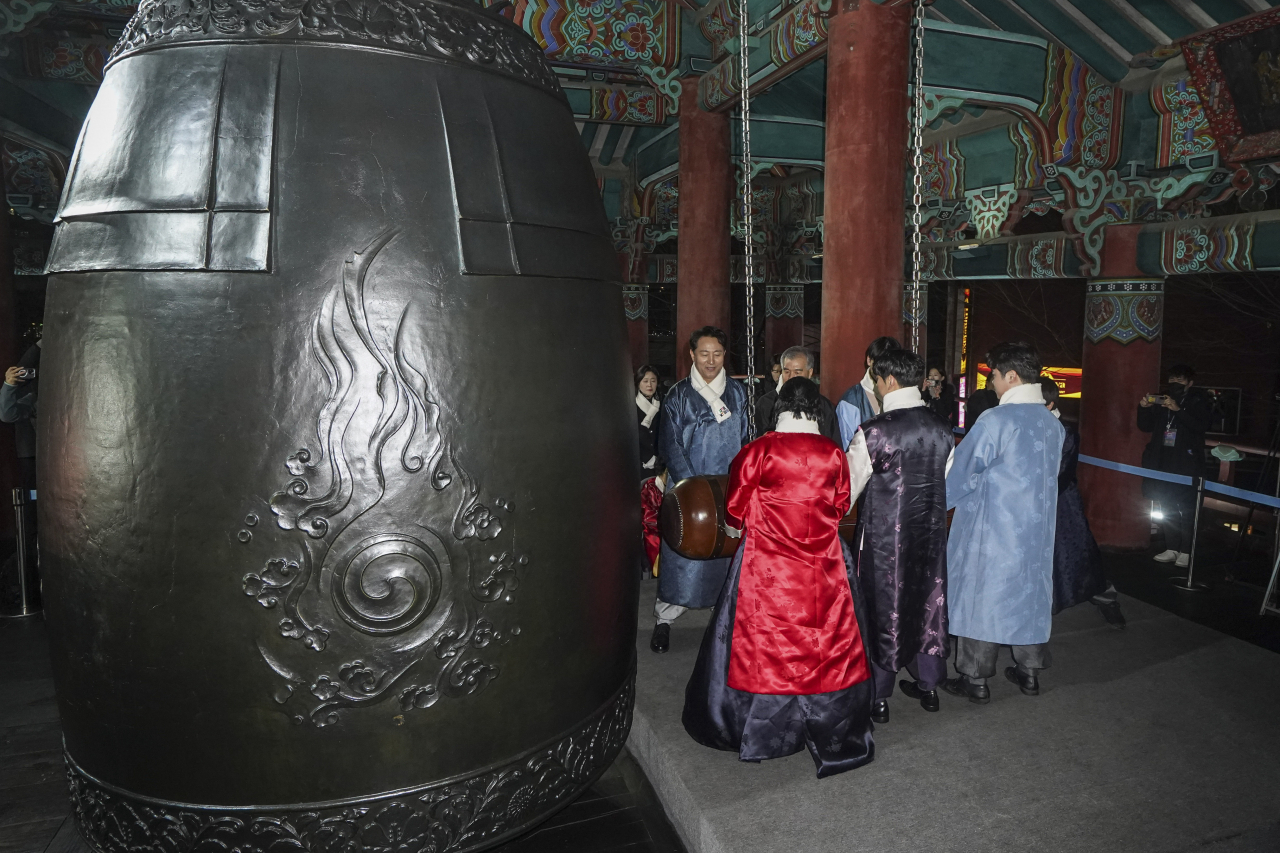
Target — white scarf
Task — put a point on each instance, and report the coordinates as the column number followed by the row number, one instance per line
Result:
column 869, row 385
column 649, row 407
column 711, row 393
column 791, row 422
column 903, row 398
column 1027, row 392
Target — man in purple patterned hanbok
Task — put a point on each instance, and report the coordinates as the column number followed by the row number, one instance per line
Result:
column 901, row 457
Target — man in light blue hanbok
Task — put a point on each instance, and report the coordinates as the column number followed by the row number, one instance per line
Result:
column 860, row 403
column 1003, row 485
column 704, row 424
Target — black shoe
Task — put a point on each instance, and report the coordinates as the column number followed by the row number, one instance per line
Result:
column 976, row 693
column 880, row 711
column 928, row 698
column 1028, row 684
column 661, row 638
column 1111, row 612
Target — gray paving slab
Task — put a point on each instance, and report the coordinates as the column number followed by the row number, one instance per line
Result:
column 1161, row 738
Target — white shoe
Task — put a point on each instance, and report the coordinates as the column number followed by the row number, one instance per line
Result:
column 1166, row 556
column 1183, row 561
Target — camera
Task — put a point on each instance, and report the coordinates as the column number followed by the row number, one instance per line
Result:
column 27, row 373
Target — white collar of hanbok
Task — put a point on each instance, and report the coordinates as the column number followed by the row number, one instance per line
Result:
column 650, row 407
column 869, row 385
column 1056, row 413
column 903, row 398
column 711, row 391
column 717, row 385
column 791, row 422
column 1024, row 393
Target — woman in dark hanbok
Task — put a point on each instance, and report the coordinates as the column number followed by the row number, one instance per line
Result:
column 1077, row 562
column 782, row 665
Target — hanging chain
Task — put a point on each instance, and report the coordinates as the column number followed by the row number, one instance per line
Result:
column 917, row 197
column 748, row 220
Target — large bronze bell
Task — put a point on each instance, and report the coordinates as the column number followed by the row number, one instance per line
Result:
column 338, row 513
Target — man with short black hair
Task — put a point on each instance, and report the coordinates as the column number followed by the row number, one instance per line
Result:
column 901, row 457
column 859, row 403
column 1003, row 485
column 795, row 361
column 1177, row 421
column 703, row 425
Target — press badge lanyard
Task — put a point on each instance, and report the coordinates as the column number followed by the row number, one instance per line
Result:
column 1171, row 432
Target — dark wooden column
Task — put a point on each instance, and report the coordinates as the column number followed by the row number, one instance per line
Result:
column 635, row 298
column 783, row 318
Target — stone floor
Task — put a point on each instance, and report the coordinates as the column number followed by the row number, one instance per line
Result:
column 619, row 814
column 1160, row 738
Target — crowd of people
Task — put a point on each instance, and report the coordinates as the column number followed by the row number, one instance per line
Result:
column 811, row 629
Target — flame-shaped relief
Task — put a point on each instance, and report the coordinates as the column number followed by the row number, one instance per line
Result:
column 369, row 591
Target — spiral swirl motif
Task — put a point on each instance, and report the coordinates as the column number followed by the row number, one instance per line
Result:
column 389, row 582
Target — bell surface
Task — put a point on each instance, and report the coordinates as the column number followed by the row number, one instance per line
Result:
column 338, row 511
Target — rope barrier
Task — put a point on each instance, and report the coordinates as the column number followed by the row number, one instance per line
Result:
column 1232, row 491
column 1183, row 480
column 1202, row 486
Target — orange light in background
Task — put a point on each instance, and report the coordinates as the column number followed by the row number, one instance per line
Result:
column 1067, row 378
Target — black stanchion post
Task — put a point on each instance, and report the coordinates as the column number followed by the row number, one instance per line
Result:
column 1267, row 606
column 1189, row 585
column 25, row 606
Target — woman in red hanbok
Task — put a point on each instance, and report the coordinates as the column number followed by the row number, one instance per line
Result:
column 782, row 664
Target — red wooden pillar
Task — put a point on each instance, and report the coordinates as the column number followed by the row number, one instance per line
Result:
column 702, row 298
column 635, row 299
column 1124, row 314
column 783, row 318
column 868, row 55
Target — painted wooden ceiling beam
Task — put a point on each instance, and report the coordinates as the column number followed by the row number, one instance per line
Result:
column 1257, row 5
column 972, row 10
column 1034, row 22
column 1191, row 10
column 624, row 142
column 1141, row 21
column 597, row 145
column 1095, row 32
column 937, row 16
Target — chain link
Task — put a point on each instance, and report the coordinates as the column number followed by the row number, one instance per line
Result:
column 748, row 219
column 917, row 197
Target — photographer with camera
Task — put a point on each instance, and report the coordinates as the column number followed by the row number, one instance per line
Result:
column 1177, row 421
column 18, row 407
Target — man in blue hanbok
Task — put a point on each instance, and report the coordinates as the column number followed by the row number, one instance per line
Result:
column 860, row 403
column 1003, row 484
column 704, row 424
